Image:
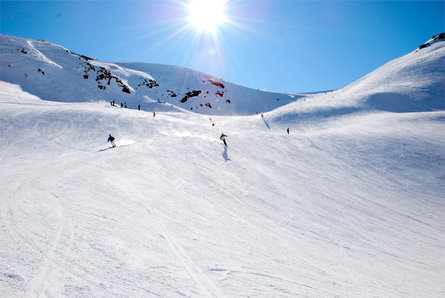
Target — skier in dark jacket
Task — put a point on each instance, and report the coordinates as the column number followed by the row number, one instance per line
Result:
column 223, row 138
column 111, row 139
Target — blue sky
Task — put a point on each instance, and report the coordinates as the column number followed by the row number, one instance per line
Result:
column 283, row 46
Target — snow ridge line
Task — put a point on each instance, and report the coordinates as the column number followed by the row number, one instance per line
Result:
column 41, row 56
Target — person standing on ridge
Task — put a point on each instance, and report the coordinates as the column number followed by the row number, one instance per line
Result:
column 111, row 139
column 223, row 138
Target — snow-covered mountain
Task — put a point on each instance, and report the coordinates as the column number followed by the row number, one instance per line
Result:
column 54, row 73
column 349, row 203
column 412, row 83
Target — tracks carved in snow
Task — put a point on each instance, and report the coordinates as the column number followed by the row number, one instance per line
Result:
column 206, row 285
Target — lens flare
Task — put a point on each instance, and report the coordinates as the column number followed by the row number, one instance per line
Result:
column 206, row 15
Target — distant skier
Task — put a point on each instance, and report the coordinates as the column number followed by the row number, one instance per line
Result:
column 139, row 107
column 154, row 114
column 122, row 105
column 111, row 139
column 262, row 116
column 125, row 105
column 288, row 130
column 223, row 138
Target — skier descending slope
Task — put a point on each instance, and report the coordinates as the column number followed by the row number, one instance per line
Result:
column 111, row 139
column 223, row 138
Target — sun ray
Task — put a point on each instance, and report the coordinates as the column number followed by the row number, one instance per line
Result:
column 206, row 15
column 163, row 41
column 201, row 39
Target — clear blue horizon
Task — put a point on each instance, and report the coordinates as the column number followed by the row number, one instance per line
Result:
column 282, row 46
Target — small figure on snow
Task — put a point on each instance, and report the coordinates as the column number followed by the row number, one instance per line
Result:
column 262, row 116
column 223, row 138
column 122, row 105
column 139, row 107
column 111, row 139
column 288, row 130
column 154, row 114
column 125, row 105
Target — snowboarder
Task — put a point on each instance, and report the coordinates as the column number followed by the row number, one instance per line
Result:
column 154, row 114
column 223, row 138
column 288, row 130
column 139, row 107
column 111, row 139
column 122, row 105
column 262, row 116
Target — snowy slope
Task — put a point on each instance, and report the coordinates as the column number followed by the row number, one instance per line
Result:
column 223, row 97
column 351, row 210
column 411, row 83
column 54, row 73
column 350, row 203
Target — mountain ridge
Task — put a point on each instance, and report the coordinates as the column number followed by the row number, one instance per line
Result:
column 81, row 78
column 67, row 76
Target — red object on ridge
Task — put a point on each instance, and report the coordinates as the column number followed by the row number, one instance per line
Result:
column 217, row 84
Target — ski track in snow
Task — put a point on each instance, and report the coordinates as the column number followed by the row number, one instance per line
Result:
column 202, row 280
column 206, row 286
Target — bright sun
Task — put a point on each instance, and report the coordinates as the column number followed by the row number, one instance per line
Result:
column 206, row 15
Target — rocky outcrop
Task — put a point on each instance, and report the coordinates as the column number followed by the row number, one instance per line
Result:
column 218, row 84
column 149, row 83
column 189, row 95
column 171, row 93
column 434, row 38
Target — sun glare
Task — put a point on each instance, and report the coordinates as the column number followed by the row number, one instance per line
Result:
column 206, row 15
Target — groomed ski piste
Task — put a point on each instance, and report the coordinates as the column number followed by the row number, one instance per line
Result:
column 348, row 204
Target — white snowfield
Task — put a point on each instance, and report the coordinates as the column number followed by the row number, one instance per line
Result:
column 350, row 203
